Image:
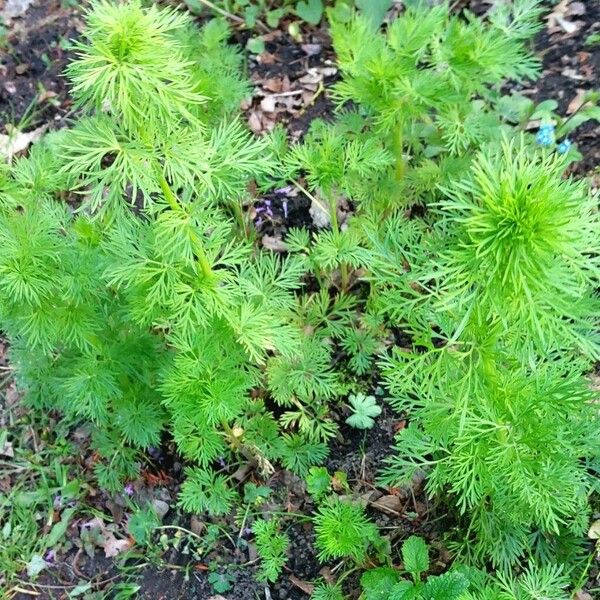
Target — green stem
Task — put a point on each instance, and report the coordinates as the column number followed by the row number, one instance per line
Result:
column 232, row 437
column 168, row 193
column 175, row 205
column 335, row 226
column 239, row 214
column 399, row 153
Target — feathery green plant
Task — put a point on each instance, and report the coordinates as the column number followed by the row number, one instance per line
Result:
column 385, row 582
column 143, row 309
column 343, row 531
column 502, row 418
column 271, row 546
column 425, row 87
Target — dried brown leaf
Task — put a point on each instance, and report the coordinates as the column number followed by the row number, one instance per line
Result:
column 16, row 141
column 276, row 244
column 305, row 586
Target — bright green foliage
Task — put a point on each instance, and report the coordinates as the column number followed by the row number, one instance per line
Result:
column 271, row 546
column 205, row 491
column 525, row 255
column 364, row 410
column 142, row 523
column 415, row 556
column 143, row 309
column 327, row 591
column 448, row 244
column 548, row 581
column 299, row 453
column 385, row 583
column 318, row 482
column 423, row 89
column 343, row 531
column 502, row 417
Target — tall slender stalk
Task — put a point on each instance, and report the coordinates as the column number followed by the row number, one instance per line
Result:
column 176, row 205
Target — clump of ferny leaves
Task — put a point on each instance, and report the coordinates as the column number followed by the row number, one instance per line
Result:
column 453, row 249
column 491, row 291
column 502, row 418
column 144, row 309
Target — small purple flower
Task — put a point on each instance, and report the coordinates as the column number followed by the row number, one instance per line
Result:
column 247, row 531
column 221, row 462
column 545, row 135
column 57, row 502
column 128, row 489
column 284, row 190
column 50, row 556
column 564, row 146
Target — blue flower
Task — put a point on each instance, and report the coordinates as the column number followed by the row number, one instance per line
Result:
column 545, row 135
column 564, row 146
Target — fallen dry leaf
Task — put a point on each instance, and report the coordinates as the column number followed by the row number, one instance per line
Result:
column 576, row 9
column 113, row 546
column 327, row 575
column 7, row 450
column 594, row 530
column 254, row 122
column 268, row 104
column 305, row 586
column 577, row 102
column 557, row 19
column 17, row 141
column 319, row 213
column 15, row 8
column 276, row 244
column 389, row 504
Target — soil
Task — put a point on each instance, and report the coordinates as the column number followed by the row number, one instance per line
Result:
column 32, row 86
column 296, row 72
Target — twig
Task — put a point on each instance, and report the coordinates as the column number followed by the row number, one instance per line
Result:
column 23, row 591
column 324, row 208
column 97, row 584
column 229, row 15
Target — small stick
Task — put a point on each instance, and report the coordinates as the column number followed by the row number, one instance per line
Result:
column 229, row 15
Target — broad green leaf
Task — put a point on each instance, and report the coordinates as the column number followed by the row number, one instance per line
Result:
column 544, row 109
column 318, row 482
column 59, row 529
column 341, row 11
column 253, row 492
column 449, row 586
column 415, row 555
column 36, row 565
column 365, row 408
column 256, row 45
column 375, row 10
column 79, row 590
column 310, row 11
column 377, row 584
column 274, row 16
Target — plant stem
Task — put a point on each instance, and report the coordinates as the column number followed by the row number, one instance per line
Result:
column 175, row 205
column 399, row 153
column 230, row 434
column 231, row 16
column 335, row 226
column 239, row 214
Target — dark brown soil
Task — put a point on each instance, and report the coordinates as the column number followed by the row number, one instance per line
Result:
column 31, row 82
column 571, row 65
